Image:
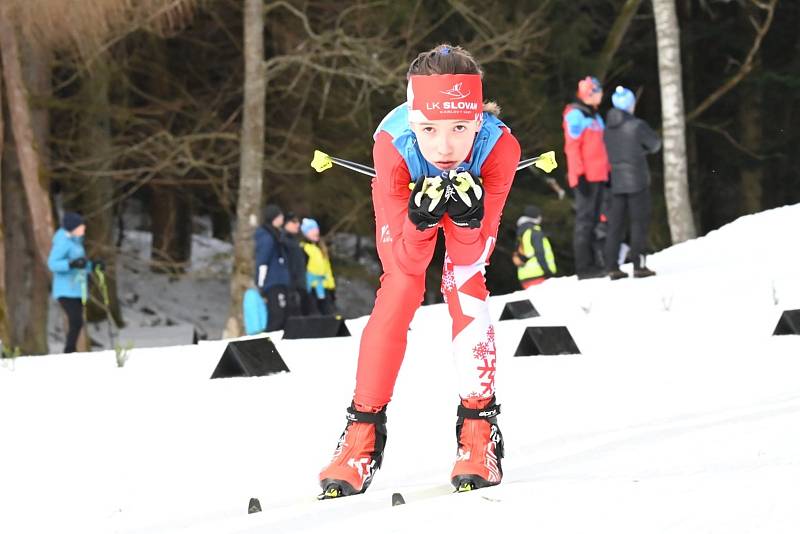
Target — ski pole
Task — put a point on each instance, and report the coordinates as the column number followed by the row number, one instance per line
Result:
column 101, row 282
column 322, row 162
column 546, row 162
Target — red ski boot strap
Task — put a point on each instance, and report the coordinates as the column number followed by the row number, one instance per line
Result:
column 366, row 417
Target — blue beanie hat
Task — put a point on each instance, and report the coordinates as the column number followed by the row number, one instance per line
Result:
column 623, row 98
column 307, row 225
column 71, row 220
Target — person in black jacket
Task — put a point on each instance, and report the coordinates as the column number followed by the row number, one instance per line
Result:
column 272, row 267
column 628, row 141
column 298, row 294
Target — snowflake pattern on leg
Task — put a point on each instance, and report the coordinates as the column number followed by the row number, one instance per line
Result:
column 490, row 335
column 448, row 282
column 486, row 354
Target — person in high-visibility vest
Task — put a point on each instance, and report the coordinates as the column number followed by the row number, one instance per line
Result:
column 534, row 256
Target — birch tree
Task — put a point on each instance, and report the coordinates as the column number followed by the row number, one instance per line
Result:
column 676, row 181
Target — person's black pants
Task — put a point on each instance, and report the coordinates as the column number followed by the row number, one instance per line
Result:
column 73, row 307
column 277, row 307
column 588, row 204
column 636, row 206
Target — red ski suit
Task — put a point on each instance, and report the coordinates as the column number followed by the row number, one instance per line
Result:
column 405, row 253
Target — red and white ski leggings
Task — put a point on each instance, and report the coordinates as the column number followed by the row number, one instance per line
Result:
column 383, row 342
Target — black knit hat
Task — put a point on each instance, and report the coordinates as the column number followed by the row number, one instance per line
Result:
column 270, row 213
column 532, row 211
column 71, row 220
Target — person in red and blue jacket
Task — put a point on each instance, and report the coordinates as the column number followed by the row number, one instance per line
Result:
column 587, row 171
column 443, row 159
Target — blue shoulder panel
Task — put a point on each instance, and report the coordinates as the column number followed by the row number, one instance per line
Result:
column 576, row 123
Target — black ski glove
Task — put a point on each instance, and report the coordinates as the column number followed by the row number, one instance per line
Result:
column 465, row 204
column 427, row 204
column 77, row 263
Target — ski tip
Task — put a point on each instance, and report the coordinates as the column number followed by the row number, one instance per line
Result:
column 397, row 499
column 254, row 507
column 465, row 486
column 332, row 491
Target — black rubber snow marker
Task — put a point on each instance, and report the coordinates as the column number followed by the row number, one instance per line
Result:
column 254, row 507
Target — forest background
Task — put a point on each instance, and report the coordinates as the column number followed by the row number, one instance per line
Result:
column 214, row 107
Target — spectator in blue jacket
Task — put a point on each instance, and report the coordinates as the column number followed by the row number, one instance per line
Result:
column 272, row 266
column 70, row 269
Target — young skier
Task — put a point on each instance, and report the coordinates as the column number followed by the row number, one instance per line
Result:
column 443, row 160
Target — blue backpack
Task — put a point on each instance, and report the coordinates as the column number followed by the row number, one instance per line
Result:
column 254, row 312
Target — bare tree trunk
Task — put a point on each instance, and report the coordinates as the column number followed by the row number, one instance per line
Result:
column 751, row 126
column 37, row 78
column 676, row 184
column 615, row 36
column 26, row 283
column 97, row 188
column 170, row 206
column 171, row 216
column 251, row 161
column 220, row 224
column 5, row 330
column 695, row 175
column 27, row 277
column 36, row 190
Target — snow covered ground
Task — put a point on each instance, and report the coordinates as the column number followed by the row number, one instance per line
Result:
column 682, row 414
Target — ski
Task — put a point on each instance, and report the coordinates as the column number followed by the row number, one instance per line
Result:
column 463, row 487
column 376, row 498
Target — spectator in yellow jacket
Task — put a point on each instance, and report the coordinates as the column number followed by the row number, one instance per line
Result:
column 319, row 276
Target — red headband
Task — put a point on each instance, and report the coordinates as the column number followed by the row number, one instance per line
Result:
column 445, row 97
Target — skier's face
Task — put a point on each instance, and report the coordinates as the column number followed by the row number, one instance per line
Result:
column 445, row 143
column 79, row 231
